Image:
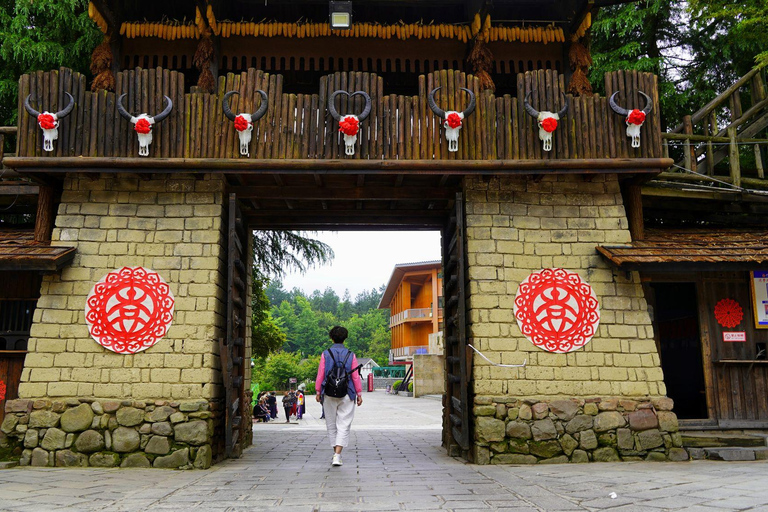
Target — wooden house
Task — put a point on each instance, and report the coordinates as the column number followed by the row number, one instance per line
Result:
column 455, row 115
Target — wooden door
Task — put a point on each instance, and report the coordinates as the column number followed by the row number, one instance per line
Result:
column 457, row 420
column 232, row 348
column 740, row 369
column 11, row 365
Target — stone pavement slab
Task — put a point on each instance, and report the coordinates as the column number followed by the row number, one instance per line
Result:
column 392, row 469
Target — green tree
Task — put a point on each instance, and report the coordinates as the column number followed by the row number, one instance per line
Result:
column 41, row 35
column 277, row 252
column 267, row 335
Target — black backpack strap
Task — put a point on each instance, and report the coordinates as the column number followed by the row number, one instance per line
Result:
column 332, row 358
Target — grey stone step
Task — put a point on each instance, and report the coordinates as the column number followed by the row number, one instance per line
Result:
column 717, row 439
column 732, row 453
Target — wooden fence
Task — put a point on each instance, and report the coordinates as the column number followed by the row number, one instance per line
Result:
column 300, row 127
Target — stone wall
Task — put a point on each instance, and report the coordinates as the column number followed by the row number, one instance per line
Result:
column 170, row 224
column 510, row 431
column 519, row 225
column 428, row 374
column 111, row 433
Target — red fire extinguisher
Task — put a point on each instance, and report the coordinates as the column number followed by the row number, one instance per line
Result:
column 370, row 382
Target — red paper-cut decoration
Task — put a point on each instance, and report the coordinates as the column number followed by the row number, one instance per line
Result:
column 129, row 310
column 728, row 313
column 2, row 390
column 143, row 126
column 349, row 125
column 241, row 123
column 556, row 310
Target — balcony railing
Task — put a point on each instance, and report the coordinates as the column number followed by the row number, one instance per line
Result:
column 411, row 315
column 405, row 352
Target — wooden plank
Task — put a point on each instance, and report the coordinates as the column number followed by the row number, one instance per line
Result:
column 109, row 113
column 379, row 117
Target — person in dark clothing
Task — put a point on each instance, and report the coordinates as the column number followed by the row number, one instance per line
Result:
column 287, row 405
column 272, row 403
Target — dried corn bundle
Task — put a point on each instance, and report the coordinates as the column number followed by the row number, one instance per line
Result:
column 580, row 61
column 101, row 68
column 202, row 60
column 481, row 61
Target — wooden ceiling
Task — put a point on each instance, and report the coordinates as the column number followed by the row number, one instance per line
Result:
column 345, row 201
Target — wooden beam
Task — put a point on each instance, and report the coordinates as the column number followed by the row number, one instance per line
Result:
column 346, row 193
column 311, row 166
column 22, row 190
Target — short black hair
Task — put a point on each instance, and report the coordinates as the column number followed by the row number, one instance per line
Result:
column 338, row 334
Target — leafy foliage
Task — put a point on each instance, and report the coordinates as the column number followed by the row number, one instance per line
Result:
column 307, row 320
column 276, row 252
column 41, row 35
column 273, row 372
column 696, row 47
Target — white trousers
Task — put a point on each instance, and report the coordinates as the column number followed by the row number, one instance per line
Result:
column 339, row 413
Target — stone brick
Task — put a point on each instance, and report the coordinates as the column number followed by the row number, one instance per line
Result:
column 486, row 429
column 543, row 429
column 644, row 419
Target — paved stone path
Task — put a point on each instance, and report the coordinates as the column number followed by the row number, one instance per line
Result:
column 403, row 468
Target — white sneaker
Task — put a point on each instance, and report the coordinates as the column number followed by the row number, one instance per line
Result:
column 336, row 459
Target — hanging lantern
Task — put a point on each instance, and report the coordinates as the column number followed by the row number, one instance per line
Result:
column 548, row 121
column 634, row 118
column 142, row 123
column 452, row 120
column 349, row 125
column 49, row 122
column 244, row 121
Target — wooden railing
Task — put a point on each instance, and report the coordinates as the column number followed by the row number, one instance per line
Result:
column 299, row 126
column 722, row 129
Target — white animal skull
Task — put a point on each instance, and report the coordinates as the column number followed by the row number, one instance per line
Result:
column 245, row 135
column 49, row 134
column 350, row 139
column 452, row 134
column 143, row 123
column 145, row 139
column 546, row 135
column 49, row 121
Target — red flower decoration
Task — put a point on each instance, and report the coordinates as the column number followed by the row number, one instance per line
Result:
column 241, row 124
column 453, row 120
column 2, row 390
column 549, row 124
column 349, row 125
column 636, row 117
column 728, row 313
column 143, row 126
column 46, row 121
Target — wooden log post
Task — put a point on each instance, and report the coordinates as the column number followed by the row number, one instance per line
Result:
column 710, row 149
column 733, row 158
column 633, row 203
column 759, row 162
column 46, row 213
column 690, row 150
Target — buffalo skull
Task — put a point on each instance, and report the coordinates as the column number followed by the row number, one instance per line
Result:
column 48, row 122
column 634, row 118
column 349, row 125
column 142, row 123
column 452, row 120
column 547, row 121
column 244, row 122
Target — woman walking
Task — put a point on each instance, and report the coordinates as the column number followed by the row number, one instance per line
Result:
column 338, row 369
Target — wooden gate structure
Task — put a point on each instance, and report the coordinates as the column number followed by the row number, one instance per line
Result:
column 507, row 208
column 457, row 429
column 234, row 361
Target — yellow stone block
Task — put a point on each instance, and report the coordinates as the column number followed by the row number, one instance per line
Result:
column 164, row 374
column 33, row 390
column 65, row 389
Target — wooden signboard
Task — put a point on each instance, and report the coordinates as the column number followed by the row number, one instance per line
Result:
column 759, row 286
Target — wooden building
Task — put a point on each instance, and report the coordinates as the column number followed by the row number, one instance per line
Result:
column 121, row 208
column 414, row 299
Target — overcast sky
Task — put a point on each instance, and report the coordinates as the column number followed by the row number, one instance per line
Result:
column 365, row 259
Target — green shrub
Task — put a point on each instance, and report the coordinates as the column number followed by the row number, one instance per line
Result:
column 410, row 387
column 396, row 384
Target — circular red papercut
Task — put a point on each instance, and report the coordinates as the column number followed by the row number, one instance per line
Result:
column 129, row 310
column 556, row 310
column 2, row 390
column 728, row 313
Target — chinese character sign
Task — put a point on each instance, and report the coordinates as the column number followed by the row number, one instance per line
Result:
column 759, row 284
column 129, row 310
column 556, row 310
